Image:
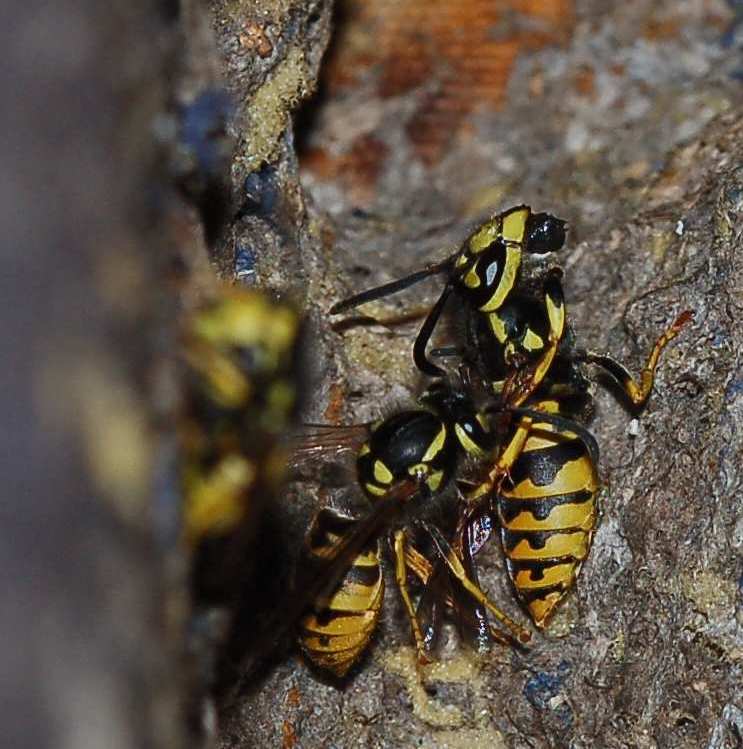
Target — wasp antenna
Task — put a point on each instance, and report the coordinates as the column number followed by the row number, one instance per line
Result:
column 387, row 289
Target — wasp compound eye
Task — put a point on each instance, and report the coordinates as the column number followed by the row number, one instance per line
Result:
column 544, row 233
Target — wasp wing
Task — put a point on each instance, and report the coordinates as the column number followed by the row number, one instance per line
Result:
column 473, row 623
column 324, row 442
column 435, row 597
column 317, row 582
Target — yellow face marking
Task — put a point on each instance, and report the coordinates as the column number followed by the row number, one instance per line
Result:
column 514, row 224
column 498, row 327
column 483, row 422
column 433, row 482
column 381, row 473
column 532, row 341
column 365, row 449
column 435, row 447
column 467, row 442
column 507, row 281
column 485, row 235
column 462, row 260
column 377, row 491
column 419, row 470
column 471, row 279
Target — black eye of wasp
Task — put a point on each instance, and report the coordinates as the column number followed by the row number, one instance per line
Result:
column 544, row 233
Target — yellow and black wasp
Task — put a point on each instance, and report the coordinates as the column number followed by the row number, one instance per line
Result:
column 482, row 273
column 543, row 484
column 402, row 462
column 241, row 354
column 543, row 481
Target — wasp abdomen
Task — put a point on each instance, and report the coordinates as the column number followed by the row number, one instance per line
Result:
column 335, row 635
column 547, row 513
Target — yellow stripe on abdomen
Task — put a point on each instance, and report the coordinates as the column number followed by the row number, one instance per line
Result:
column 335, row 638
column 547, row 518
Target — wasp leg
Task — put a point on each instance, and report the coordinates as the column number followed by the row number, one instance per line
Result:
column 423, row 570
column 503, row 465
column 401, row 570
column 417, row 563
column 425, row 333
column 452, row 561
column 638, row 393
column 525, row 381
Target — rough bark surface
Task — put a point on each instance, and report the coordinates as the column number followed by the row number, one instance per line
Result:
column 627, row 121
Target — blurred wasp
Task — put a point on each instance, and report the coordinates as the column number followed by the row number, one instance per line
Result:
column 241, row 355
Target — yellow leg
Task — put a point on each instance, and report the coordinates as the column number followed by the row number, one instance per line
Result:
column 422, row 569
column 401, row 570
column 503, row 465
column 455, row 566
column 638, row 393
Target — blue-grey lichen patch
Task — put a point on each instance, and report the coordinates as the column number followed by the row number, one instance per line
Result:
column 734, row 388
column 245, row 265
column 544, row 692
column 203, row 130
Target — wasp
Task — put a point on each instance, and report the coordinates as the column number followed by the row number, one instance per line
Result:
column 543, row 484
column 403, row 462
column 482, row 273
column 241, row 358
column 543, row 481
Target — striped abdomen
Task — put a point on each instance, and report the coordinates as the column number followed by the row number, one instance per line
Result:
column 547, row 514
column 335, row 634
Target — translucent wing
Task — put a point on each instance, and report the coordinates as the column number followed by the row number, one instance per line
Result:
column 315, row 442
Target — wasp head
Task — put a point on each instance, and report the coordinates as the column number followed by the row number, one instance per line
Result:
column 544, row 233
